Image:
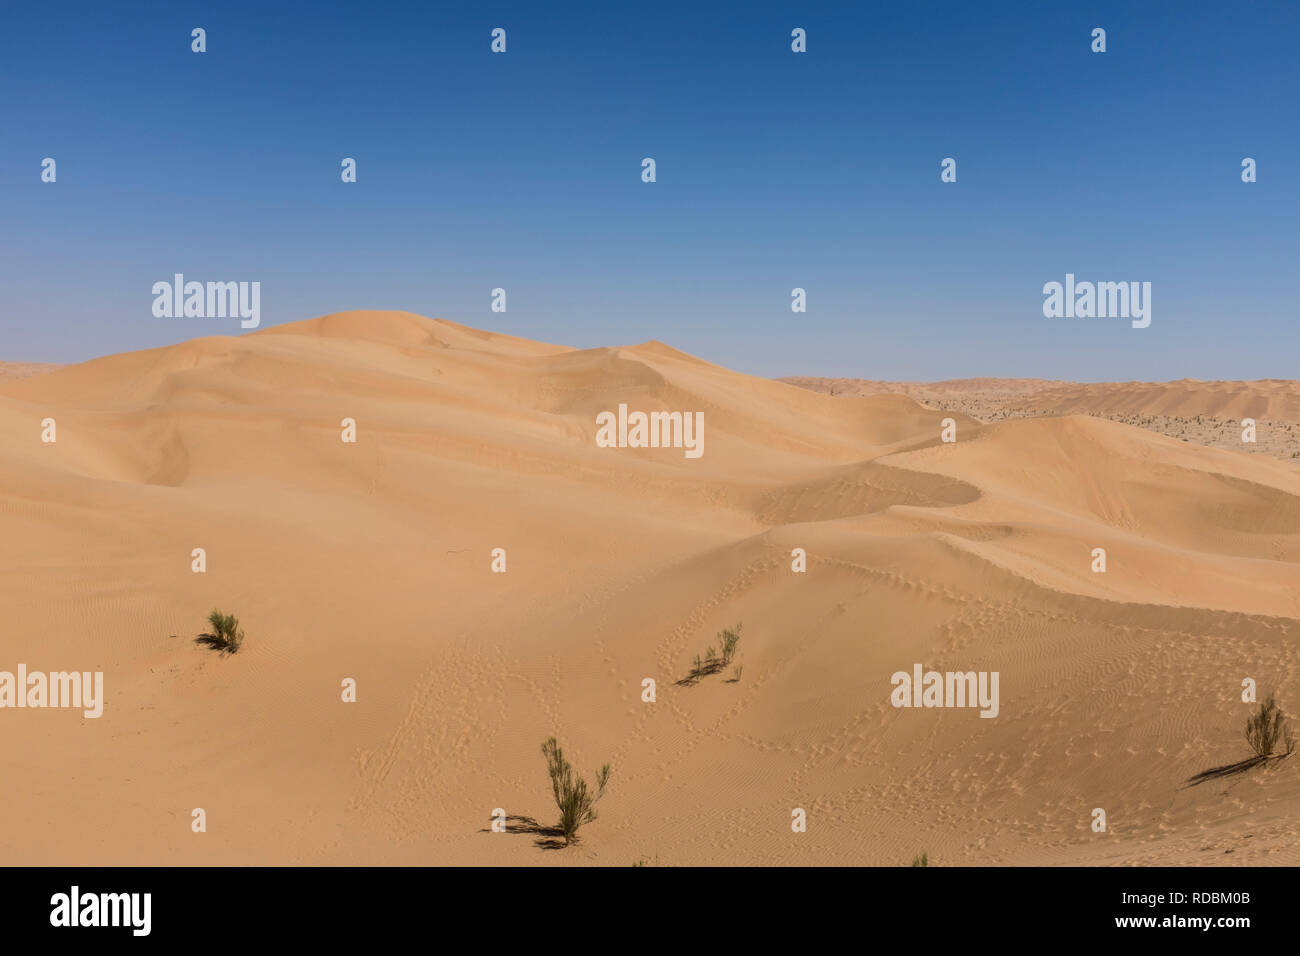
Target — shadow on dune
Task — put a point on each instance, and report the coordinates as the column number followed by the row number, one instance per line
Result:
column 1227, row 770
column 1233, row 769
column 548, row 838
column 216, row 643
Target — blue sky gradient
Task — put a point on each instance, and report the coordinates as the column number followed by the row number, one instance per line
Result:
column 775, row 170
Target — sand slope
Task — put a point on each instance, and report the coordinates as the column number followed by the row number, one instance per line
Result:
column 371, row 561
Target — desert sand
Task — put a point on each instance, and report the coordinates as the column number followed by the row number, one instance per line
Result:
column 372, row 561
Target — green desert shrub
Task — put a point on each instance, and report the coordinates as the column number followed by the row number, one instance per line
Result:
column 226, row 632
column 1269, row 732
column 575, row 800
column 714, row 661
column 922, row 860
column 730, row 638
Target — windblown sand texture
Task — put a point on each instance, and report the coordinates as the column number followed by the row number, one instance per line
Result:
column 372, row 561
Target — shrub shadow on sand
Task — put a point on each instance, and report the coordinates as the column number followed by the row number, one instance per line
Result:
column 548, row 838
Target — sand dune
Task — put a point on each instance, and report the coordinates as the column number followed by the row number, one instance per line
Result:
column 372, row 561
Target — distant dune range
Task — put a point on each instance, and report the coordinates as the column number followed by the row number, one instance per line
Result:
column 15, row 370
column 1208, row 413
column 371, row 561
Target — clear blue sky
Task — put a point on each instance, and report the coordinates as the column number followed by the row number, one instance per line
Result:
column 775, row 170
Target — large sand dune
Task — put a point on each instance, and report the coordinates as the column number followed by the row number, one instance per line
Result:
column 372, row 561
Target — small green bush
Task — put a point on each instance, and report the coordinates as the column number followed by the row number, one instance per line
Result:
column 1269, row 728
column 226, row 632
column 575, row 800
column 712, row 662
column 730, row 638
